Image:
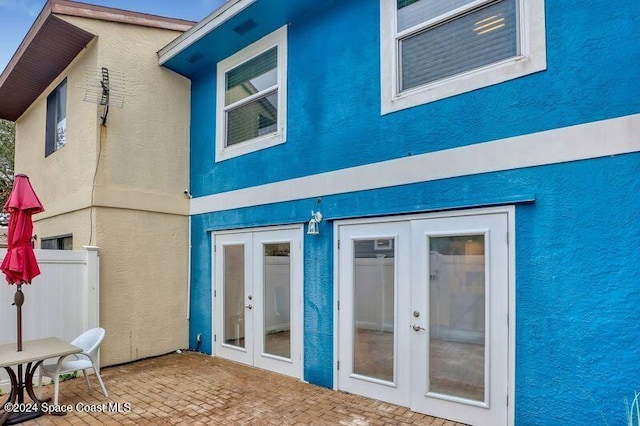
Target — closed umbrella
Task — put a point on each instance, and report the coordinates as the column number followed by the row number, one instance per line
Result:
column 19, row 264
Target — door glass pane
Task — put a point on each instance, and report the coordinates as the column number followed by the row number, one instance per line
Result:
column 234, row 295
column 374, row 325
column 457, row 316
column 277, row 299
column 480, row 38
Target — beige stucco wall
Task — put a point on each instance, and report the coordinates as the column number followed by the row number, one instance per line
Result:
column 136, row 213
column 63, row 179
column 145, row 144
column 77, row 222
column 143, row 282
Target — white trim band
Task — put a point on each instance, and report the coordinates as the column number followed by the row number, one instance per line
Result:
column 580, row 142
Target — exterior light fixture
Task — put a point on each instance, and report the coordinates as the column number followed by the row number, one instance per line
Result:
column 316, row 218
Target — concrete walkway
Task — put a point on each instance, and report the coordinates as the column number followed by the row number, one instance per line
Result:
column 193, row 389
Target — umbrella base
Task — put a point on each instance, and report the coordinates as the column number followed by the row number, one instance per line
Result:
column 24, row 410
column 15, row 418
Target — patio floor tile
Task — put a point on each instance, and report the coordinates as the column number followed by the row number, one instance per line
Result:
column 190, row 388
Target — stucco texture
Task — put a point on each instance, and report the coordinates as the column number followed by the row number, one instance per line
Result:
column 576, row 234
column 334, row 100
column 576, row 278
column 143, row 281
column 120, row 187
column 144, row 145
column 79, row 221
column 63, row 179
column 576, row 244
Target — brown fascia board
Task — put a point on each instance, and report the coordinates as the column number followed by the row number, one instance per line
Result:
column 49, row 47
column 84, row 10
column 26, row 41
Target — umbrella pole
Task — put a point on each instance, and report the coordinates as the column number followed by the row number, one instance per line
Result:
column 18, row 299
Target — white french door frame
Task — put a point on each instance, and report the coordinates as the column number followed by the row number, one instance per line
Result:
column 297, row 289
column 511, row 247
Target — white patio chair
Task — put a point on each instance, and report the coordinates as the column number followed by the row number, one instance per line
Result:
column 90, row 342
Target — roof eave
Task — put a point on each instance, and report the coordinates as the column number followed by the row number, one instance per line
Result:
column 38, row 62
column 218, row 17
column 26, row 41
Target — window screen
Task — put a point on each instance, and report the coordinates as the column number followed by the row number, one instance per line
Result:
column 251, row 98
column 462, row 40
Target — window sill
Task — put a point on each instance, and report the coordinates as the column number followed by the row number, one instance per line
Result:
column 466, row 82
column 250, row 146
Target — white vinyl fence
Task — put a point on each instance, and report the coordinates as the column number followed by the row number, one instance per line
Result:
column 63, row 301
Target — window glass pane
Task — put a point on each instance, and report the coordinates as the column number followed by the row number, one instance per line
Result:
column 56, row 132
column 66, row 243
column 234, row 295
column 50, row 137
column 61, row 133
column 457, row 316
column 253, row 76
column 62, row 101
column 480, row 38
column 414, row 12
column 374, row 292
column 254, row 119
column 49, row 244
column 57, row 243
column 277, row 299
column 61, row 115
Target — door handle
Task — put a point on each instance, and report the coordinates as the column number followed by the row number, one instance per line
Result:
column 416, row 327
column 249, row 306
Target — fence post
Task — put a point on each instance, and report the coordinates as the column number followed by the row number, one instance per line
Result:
column 93, row 287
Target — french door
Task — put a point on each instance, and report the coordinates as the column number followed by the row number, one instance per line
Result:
column 423, row 314
column 257, row 298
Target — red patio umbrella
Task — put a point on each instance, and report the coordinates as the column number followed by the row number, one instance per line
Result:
column 19, row 264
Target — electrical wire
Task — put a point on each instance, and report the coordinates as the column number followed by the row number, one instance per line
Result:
column 103, row 128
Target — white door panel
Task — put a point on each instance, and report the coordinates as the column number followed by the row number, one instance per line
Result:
column 460, row 281
column 234, row 297
column 278, row 320
column 374, row 326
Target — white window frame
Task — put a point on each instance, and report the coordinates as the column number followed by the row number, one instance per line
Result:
column 532, row 58
column 277, row 38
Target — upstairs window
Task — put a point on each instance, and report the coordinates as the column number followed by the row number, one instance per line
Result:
column 435, row 49
column 56, row 136
column 251, row 100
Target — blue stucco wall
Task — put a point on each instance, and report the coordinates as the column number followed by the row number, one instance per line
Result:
column 334, row 98
column 577, row 294
column 577, row 244
column 577, row 269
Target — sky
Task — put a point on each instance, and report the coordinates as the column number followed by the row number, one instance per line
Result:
column 17, row 16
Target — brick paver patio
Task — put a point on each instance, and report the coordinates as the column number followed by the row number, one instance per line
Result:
column 192, row 389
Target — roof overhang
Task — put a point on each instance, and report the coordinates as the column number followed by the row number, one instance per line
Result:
column 52, row 44
column 234, row 25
